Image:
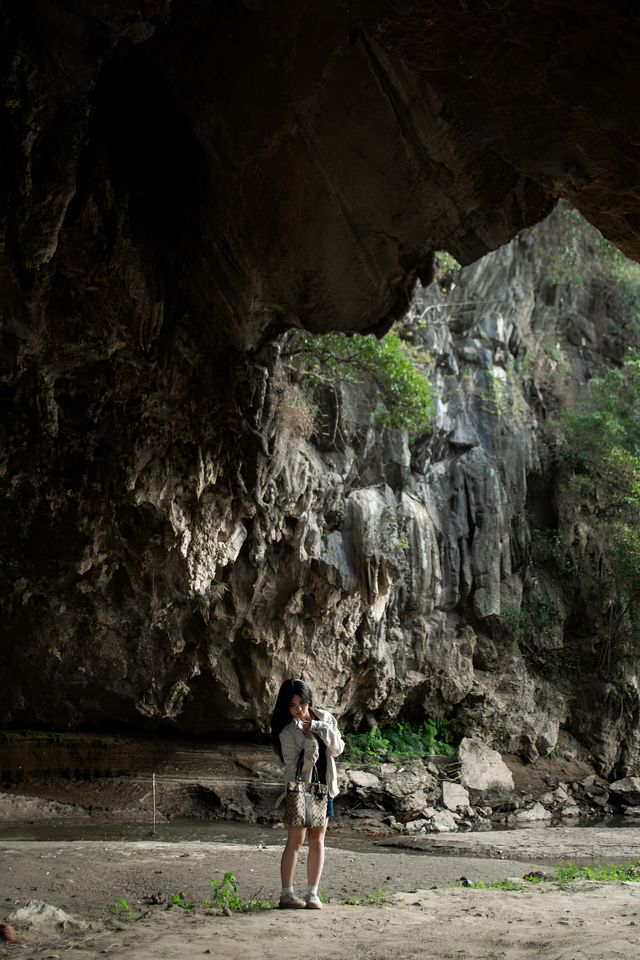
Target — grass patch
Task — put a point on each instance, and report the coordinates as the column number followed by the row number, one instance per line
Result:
column 567, row 873
column 489, row 884
column 604, row 872
column 375, row 897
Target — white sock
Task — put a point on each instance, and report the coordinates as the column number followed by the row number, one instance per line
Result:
column 312, row 891
column 287, row 890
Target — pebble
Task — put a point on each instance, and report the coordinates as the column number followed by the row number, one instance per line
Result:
column 7, row 932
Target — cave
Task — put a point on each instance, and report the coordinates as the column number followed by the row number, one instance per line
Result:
column 184, row 185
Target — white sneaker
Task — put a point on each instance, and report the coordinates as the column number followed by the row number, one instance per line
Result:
column 289, row 901
column 313, row 901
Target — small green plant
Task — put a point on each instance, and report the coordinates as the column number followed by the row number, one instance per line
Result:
column 225, row 893
column 402, row 544
column 60, row 739
column 120, row 908
column 178, row 900
column 8, row 736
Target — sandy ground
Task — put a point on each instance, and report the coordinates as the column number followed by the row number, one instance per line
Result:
column 424, row 917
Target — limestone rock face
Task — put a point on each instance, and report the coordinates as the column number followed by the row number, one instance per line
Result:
column 172, row 552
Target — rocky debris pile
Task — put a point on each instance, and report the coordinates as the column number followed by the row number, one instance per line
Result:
column 477, row 792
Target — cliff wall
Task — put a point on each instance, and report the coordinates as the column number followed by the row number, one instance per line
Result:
column 182, row 540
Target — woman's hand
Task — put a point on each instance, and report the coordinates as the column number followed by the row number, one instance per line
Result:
column 306, row 728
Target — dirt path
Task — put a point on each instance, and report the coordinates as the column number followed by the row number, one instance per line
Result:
column 588, row 921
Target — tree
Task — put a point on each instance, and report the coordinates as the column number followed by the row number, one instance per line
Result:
column 390, row 363
column 602, row 450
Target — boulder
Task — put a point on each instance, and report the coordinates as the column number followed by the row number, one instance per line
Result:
column 627, row 790
column 483, row 769
column 407, row 780
column 364, row 780
column 416, row 826
column 414, row 805
column 533, row 814
column 442, row 822
column 454, row 796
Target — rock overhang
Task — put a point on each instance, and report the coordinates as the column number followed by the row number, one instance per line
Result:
column 295, row 164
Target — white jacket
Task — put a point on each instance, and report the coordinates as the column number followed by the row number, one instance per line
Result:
column 293, row 740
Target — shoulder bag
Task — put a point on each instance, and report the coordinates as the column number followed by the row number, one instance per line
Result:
column 305, row 804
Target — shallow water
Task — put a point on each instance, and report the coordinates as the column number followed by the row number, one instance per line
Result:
column 178, row 830
column 171, row 832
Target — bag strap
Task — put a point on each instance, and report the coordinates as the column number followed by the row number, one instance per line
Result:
column 299, row 765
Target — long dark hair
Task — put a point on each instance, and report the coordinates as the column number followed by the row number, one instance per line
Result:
column 281, row 716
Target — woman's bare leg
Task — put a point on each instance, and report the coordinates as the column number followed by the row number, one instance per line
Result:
column 315, row 858
column 295, row 839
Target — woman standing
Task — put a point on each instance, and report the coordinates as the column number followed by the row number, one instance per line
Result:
column 297, row 726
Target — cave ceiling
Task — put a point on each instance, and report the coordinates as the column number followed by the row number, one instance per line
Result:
column 259, row 165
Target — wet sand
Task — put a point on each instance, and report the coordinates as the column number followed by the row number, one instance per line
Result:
column 423, row 917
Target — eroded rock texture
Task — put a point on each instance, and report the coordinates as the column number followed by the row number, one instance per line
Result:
column 182, row 182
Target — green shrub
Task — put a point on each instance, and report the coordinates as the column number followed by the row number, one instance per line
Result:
column 533, row 622
column 429, row 738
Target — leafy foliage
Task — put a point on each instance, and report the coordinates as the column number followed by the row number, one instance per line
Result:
column 429, row 738
column 602, row 455
column 390, row 363
column 531, row 623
